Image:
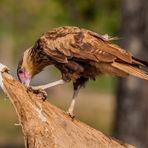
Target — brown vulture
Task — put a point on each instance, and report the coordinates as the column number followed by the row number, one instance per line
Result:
column 80, row 55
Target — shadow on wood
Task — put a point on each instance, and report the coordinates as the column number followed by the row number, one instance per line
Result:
column 44, row 125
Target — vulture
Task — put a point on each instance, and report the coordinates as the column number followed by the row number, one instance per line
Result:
column 80, row 55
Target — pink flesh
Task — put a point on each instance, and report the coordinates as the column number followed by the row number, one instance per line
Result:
column 23, row 77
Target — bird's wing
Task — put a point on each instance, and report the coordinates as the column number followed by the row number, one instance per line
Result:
column 65, row 43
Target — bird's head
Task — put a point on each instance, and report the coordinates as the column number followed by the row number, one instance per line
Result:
column 31, row 63
column 25, row 69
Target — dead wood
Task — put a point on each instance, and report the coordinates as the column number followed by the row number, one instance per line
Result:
column 46, row 126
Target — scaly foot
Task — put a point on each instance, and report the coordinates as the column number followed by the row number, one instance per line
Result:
column 70, row 114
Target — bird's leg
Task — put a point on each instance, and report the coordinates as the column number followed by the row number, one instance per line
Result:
column 80, row 82
column 41, row 89
column 48, row 85
column 72, row 105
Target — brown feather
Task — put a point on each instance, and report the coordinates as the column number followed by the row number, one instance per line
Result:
column 81, row 54
column 132, row 70
column 81, row 43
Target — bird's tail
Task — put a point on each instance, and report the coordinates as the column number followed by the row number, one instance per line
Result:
column 137, row 68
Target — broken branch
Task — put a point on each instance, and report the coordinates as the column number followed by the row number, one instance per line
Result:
column 44, row 125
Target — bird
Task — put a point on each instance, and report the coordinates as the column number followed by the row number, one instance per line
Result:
column 80, row 55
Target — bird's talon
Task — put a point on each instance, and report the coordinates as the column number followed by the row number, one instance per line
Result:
column 30, row 89
column 40, row 92
column 43, row 94
column 70, row 115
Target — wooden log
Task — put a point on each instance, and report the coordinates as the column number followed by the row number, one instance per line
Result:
column 46, row 126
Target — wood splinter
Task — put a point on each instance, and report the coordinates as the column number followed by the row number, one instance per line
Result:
column 46, row 126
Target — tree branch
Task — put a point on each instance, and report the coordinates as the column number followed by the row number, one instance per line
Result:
column 44, row 125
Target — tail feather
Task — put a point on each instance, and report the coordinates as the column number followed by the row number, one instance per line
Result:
column 140, row 62
column 131, row 69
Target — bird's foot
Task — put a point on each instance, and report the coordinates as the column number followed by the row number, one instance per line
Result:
column 40, row 92
column 71, row 114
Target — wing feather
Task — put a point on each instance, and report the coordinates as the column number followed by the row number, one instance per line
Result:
column 65, row 43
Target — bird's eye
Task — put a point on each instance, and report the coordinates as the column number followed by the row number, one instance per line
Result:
column 20, row 71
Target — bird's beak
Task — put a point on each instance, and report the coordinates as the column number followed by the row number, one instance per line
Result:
column 26, row 82
column 24, row 77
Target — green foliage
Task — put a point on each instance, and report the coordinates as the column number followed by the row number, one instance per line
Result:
column 26, row 20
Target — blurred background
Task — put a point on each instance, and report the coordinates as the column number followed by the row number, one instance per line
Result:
column 116, row 106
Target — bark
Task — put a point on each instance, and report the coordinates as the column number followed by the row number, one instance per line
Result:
column 44, row 125
column 131, row 121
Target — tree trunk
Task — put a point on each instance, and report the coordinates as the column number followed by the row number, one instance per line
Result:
column 131, row 120
column 46, row 126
